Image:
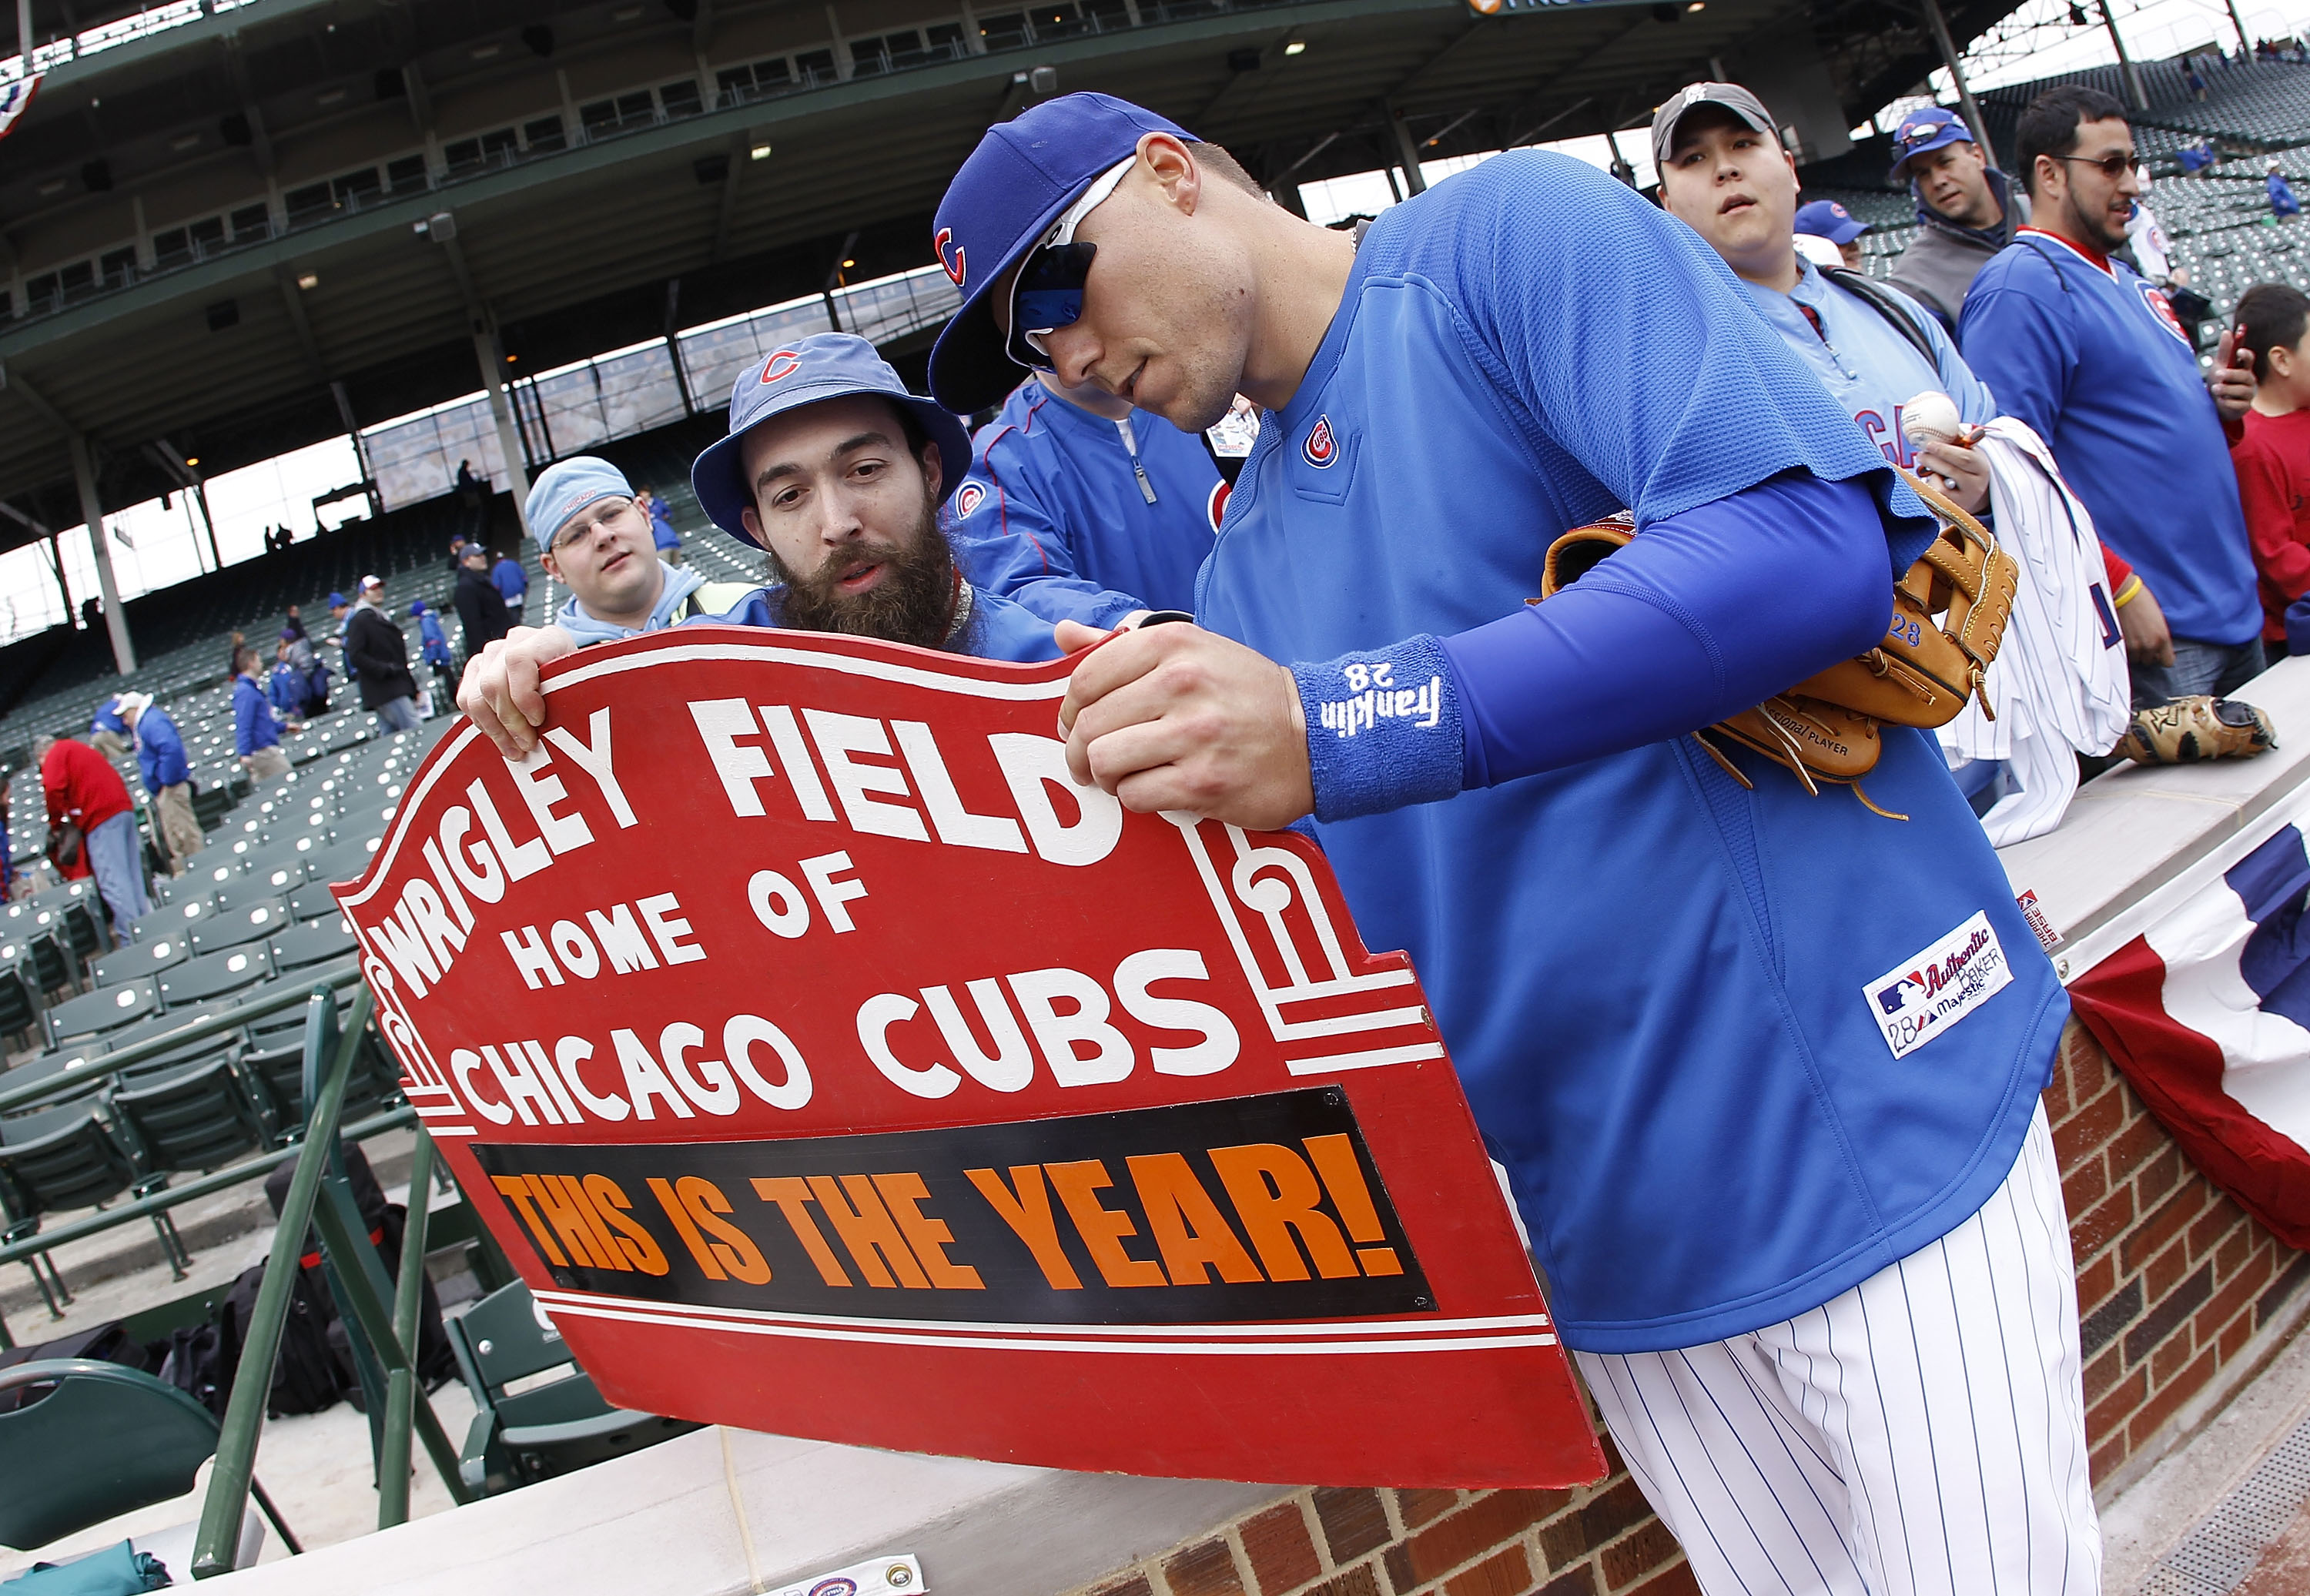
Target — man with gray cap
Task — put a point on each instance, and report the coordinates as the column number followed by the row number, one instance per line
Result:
column 838, row 475
column 168, row 775
column 596, row 539
column 1966, row 210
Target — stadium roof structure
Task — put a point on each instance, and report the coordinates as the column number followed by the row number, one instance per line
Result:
column 229, row 229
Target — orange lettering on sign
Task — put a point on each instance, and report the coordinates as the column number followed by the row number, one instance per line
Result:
column 1187, row 1226
column 928, row 1236
column 675, row 1211
column 639, row 1246
column 868, row 1231
column 792, row 1195
column 1275, row 1194
column 1343, row 1176
column 517, row 1191
column 732, row 1247
column 1102, row 1229
column 563, row 1202
column 1029, row 1215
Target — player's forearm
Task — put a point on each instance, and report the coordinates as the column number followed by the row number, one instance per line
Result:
column 1704, row 615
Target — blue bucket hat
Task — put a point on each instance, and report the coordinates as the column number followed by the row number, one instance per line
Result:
column 1024, row 174
column 566, row 487
column 1923, row 131
column 1826, row 219
column 823, row 366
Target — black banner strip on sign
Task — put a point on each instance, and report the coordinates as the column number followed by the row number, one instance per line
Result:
column 1244, row 1209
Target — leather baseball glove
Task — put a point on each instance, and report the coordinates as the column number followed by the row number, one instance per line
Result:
column 1950, row 613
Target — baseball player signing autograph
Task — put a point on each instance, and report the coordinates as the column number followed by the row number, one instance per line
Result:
column 1763, row 1065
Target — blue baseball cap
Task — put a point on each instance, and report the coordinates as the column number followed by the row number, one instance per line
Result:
column 1023, row 175
column 416, row 607
column 823, row 366
column 1921, row 131
column 336, row 600
column 1826, row 219
column 566, row 487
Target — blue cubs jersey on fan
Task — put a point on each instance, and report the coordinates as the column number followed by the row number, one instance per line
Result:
column 1738, row 1049
column 997, row 629
column 2091, row 357
column 1863, row 360
column 1064, row 515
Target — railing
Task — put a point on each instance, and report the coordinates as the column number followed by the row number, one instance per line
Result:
column 321, row 1199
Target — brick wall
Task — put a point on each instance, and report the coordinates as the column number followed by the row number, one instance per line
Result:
column 2174, row 1282
column 2173, row 1278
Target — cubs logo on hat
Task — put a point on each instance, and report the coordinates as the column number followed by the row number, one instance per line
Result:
column 1021, row 179
column 1923, row 131
column 1826, row 219
column 823, row 366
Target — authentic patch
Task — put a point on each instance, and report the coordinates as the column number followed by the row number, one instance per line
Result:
column 1924, row 995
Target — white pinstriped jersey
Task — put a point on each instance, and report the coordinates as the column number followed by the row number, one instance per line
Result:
column 2059, row 685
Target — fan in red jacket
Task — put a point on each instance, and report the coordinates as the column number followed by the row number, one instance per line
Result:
column 84, row 789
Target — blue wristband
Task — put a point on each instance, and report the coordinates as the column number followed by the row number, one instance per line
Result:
column 1383, row 729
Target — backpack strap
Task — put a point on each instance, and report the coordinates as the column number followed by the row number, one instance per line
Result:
column 1863, row 288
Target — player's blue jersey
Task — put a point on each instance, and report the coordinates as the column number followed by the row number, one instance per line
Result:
column 1668, row 996
column 1060, row 515
column 1864, row 362
column 2091, row 357
column 996, row 628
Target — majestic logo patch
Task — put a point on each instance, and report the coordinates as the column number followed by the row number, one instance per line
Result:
column 955, row 266
column 781, row 365
column 1216, row 505
column 968, row 497
column 1926, row 994
column 837, row 1586
column 2164, row 311
column 1321, row 447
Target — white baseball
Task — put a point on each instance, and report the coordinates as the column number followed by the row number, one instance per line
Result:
column 1930, row 418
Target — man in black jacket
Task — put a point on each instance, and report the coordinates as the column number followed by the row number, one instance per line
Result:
column 378, row 655
column 481, row 607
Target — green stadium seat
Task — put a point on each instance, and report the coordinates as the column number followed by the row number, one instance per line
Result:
column 217, row 975
column 247, row 923
column 142, row 959
column 108, row 1008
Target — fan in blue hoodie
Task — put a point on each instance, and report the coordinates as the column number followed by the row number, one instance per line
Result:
column 836, row 472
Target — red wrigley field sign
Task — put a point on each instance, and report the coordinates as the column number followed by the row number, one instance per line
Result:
column 830, row 1064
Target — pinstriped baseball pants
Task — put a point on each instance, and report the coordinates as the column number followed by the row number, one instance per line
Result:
column 1922, row 1435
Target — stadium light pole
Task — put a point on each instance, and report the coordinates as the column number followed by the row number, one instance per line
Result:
column 2133, row 89
column 1965, row 100
column 124, row 652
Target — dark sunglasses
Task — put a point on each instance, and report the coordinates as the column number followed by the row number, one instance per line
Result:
column 1048, row 296
column 2111, row 166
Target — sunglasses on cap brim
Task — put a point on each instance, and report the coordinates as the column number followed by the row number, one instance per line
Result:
column 1047, row 292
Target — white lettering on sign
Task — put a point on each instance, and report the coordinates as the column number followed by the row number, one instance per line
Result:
column 1928, row 993
column 1067, row 1012
column 609, row 938
column 851, row 749
column 526, row 1081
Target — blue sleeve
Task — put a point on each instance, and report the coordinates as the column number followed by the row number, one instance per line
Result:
column 245, row 706
column 1704, row 614
column 2022, row 345
column 1656, row 376
column 1011, row 540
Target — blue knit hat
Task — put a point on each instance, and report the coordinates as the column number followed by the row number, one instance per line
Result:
column 568, row 486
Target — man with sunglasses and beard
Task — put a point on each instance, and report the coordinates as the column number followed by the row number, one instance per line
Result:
column 2090, row 354
column 1780, row 1213
column 838, row 475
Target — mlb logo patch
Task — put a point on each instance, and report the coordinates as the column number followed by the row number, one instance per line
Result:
column 1927, row 994
column 1320, row 448
column 968, row 497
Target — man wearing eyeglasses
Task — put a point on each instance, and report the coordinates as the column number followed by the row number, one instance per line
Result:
column 599, row 543
column 1762, row 1211
column 2090, row 354
column 837, row 475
